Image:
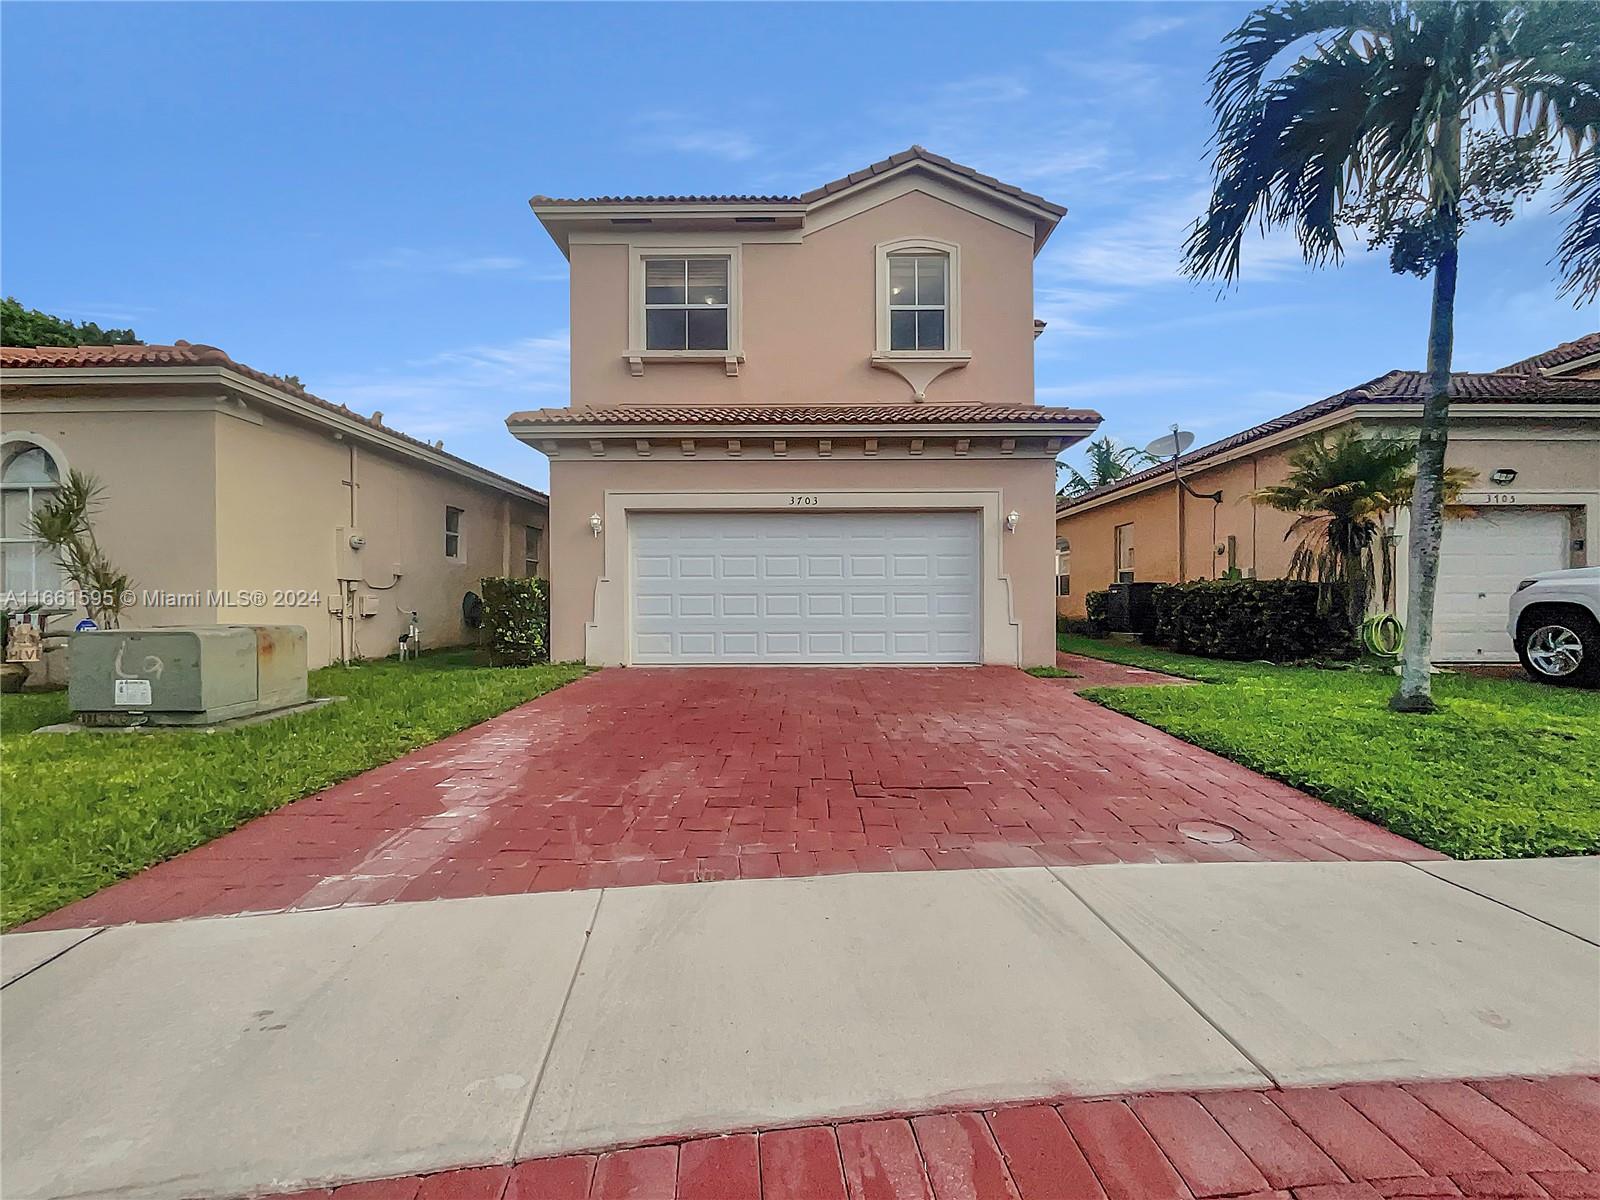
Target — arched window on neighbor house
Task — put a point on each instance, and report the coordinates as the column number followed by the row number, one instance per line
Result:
column 29, row 475
column 1063, row 567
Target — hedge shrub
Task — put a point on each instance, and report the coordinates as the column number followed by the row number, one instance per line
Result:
column 516, row 621
column 1095, row 607
column 1280, row 620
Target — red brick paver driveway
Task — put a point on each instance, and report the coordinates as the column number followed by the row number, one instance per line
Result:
column 1480, row 1139
column 644, row 776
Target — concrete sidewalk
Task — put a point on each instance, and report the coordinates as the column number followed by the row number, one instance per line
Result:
column 224, row 1056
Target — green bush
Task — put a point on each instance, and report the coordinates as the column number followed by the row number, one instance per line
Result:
column 1073, row 627
column 1279, row 620
column 516, row 621
column 1095, row 607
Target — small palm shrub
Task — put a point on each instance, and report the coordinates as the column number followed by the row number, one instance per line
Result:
column 516, row 621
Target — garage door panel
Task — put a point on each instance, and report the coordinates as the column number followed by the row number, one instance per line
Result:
column 811, row 587
column 824, row 604
column 1483, row 555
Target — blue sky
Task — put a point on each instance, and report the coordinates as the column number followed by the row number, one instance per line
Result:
column 339, row 191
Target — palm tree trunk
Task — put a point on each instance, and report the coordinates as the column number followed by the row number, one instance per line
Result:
column 1427, row 499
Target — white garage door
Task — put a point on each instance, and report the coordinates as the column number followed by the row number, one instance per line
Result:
column 805, row 587
column 1482, row 558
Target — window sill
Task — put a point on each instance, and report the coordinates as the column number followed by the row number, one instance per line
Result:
column 939, row 356
column 729, row 359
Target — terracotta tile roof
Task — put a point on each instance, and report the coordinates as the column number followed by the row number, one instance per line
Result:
column 820, row 414
column 918, row 153
column 576, row 201
column 1397, row 387
column 1582, row 347
column 190, row 354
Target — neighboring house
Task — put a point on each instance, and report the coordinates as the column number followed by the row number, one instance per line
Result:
column 1530, row 430
column 802, row 428
column 234, row 496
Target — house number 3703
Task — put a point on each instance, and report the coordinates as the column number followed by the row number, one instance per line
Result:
column 802, row 501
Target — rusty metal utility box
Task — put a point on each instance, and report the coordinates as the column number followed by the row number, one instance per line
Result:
column 195, row 675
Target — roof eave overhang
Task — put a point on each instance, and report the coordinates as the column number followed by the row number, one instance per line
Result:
column 1391, row 411
column 560, row 221
column 530, row 431
column 243, row 387
column 1046, row 215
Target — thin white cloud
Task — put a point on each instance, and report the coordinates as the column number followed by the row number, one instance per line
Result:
column 411, row 260
column 1145, row 28
column 679, row 133
column 1151, row 384
column 466, row 391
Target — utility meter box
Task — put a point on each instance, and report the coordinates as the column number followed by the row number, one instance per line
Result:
column 196, row 675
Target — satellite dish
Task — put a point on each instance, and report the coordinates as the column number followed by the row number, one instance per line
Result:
column 1170, row 445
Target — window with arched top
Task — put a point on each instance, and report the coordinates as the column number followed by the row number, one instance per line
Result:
column 919, row 298
column 1063, row 567
column 29, row 476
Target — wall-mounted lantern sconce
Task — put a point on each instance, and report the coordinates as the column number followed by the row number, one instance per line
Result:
column 596, row 524
column 1012, row 518
column 1503, row 476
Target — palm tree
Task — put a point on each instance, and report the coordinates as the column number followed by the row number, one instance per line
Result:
column 1342, row 491
column 1106, row 463
column 1402, row 123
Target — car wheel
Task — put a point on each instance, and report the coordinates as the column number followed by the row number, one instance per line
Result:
column 1561, row 646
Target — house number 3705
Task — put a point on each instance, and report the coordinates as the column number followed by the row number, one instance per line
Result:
column 802, row 501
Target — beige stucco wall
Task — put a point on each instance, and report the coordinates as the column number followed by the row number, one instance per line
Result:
column 399, row 510
column 579, row 487
column 1557, row 463
column 809, row 310
column 158, row 518
column 208, row 497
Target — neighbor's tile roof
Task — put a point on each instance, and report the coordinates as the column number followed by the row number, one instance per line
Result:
column 918, row 153
column 819, row 414
column 190, row 354
column 1582, row 347
column 579, row 201
column 1507, row 386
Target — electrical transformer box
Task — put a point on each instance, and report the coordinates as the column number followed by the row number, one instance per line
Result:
column 194, row 675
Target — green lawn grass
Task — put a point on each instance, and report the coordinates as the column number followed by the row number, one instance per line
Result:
column 1505, row 769
column 1051, row 673
column 80, row 811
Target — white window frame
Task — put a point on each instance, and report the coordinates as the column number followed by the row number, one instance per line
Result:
column 954, row 347
column 1063, row 560
column 1119, row 543
column 532, row 539
column 637, row 353
column 456, row 533
column 7, row 444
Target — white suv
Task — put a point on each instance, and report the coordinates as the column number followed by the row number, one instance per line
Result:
column 1555, row 623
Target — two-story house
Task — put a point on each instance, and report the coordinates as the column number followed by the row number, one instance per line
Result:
column 802, row 429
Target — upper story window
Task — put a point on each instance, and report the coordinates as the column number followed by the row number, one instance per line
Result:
column 686, row 304
column 919, row 291
column 29, row 477
column 452, row 532
column 919, row 309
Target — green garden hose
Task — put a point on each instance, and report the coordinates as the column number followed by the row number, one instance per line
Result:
column 1383, row 635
